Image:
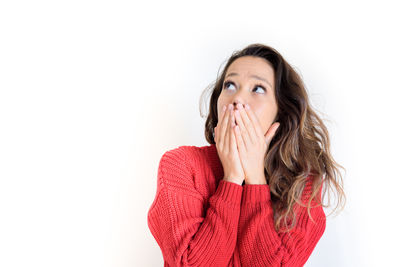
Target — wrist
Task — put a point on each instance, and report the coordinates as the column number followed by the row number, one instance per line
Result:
column 235, row 180
column 257, row 180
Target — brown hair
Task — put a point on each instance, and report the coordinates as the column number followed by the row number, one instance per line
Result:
column 299, row 150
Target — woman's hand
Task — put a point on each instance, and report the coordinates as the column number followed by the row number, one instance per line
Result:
column 252, row 144
column 227, row 147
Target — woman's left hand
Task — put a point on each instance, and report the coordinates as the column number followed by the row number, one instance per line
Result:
column 252, row 144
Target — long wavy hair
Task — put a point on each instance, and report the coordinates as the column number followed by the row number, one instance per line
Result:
column 299, row 152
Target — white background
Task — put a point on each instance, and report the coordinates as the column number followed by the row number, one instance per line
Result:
column 92, row 93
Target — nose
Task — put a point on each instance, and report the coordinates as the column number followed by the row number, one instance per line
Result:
column 236, row 103
column 238, row 99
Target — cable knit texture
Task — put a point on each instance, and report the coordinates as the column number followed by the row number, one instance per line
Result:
column 198, row 219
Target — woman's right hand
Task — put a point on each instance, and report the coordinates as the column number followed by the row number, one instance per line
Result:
column 225, row 141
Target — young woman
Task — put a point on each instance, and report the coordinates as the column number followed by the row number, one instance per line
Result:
column 253, row 197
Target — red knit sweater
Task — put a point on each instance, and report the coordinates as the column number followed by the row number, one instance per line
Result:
column 198, row 219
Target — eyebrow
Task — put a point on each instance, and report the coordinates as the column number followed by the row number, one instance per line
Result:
column 253, row 76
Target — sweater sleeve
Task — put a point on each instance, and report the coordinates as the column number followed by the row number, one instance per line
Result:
column 189, row 233
column 261, row 245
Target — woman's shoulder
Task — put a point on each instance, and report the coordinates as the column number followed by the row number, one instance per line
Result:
column 182, row 166
column 190, row 154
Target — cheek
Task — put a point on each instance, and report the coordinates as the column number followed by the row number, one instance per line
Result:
column 219, row 108
column 265, row 118
column 220, row 105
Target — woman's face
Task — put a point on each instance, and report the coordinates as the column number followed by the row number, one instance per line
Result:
column 250, row 80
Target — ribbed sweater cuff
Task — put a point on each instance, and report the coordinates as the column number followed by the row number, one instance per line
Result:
column 229, row 192
column 255, row 193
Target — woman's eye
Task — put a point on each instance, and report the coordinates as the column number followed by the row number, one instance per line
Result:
column 262, row 88
column 256, row 88
column 226, row 84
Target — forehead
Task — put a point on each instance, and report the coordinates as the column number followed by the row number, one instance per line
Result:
column 250, row 65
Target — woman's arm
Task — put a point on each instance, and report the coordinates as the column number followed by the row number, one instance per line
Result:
column 261, row 245
column 187, row 233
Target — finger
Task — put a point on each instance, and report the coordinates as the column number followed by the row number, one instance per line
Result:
column 271, row 132
column 239, row 140
column 227, row 133
column 244, row 132
column 256, row 123
column 253, row 135
column 233, row 146
column 220, row 116
column 223, row 126
column 222, row 113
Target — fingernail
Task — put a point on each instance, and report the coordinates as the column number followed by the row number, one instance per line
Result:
column 247, row 106
column 240, row 106
column 223, row 109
